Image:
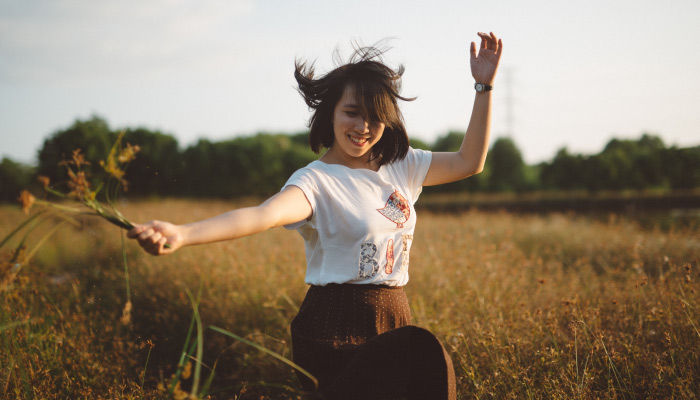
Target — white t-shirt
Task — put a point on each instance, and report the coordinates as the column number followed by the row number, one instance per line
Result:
column 362, row 224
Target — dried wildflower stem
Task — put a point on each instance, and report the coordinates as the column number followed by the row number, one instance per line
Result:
column 126, row 271
column 18, row 261
column 96, row 207
column 80, row 188
column 688, row 315
column 115, row 218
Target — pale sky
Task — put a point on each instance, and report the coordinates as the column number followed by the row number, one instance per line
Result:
column 573, row 74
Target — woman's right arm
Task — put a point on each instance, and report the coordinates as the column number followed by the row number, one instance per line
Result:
column 286, row 207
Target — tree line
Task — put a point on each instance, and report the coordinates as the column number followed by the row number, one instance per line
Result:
column 259, row 165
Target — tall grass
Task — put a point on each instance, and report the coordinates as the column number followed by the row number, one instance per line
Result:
column 555, row 306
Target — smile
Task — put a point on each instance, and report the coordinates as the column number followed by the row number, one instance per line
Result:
column 358, row 141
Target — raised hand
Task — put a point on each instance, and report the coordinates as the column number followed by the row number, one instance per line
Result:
column 485, row 63
column 154, row 235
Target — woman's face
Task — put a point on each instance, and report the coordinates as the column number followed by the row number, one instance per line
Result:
column 354, row 136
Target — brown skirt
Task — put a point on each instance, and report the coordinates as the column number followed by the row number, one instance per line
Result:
column 358, row 342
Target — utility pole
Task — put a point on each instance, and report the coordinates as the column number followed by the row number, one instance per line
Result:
column 509, row 102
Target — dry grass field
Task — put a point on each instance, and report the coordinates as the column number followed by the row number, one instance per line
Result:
column 554, row 306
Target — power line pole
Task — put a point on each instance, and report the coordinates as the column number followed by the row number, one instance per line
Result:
column 509, row 102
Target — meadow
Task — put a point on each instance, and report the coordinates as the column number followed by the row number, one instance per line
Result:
column 540, row 306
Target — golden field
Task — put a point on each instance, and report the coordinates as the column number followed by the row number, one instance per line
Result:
column 529, row 306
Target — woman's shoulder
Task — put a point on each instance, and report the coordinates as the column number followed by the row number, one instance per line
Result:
column 313, row 174
column 413, row 157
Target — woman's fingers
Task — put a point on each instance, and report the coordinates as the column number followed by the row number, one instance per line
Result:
column 153, row 243
column 155, row 237
column 489, row 41
column 150, row 236
column 135, row 231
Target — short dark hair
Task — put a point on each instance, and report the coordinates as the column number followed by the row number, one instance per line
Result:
column 376, row 87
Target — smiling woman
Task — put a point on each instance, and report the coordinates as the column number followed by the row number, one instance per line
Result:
column 353, row 136
column 356, row 103
column 354, row 209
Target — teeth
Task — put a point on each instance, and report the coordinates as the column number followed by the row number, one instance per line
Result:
column 357, row 140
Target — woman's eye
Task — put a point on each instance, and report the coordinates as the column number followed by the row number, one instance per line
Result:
column 351, row 113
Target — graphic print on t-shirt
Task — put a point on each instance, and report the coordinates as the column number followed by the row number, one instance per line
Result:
column 368, row 265
column 389, row 257
column 407, row 240
column 396, row 209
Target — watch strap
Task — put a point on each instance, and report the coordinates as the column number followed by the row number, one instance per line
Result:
column 481, row 87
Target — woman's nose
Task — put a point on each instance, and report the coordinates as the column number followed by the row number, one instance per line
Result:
column 362, row 126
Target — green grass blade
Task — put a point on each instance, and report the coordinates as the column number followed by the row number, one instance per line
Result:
column 145, row 368
column 200, row 341
column 267, row 351
column 126, row 268
column 19, row 227
column 14, row 324
column 43, row 240
column 60, row 207
column 185, row 353
column 207, row 384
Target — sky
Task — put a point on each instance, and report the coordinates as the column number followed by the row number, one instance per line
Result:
column 573, row 74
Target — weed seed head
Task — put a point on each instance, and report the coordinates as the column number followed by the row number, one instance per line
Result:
column 44, row 180
column 27, row 200
column 126, row 314
column 77, row 159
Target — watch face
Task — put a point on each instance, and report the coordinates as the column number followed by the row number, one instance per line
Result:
column 479, row 87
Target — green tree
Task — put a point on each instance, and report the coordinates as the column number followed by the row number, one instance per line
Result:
column 158, row 167
column 201, row 170
column 565, row 171
column 450, row 142
column 633, row 164
column 507, row 168
column 14, row 177
column 595, row 173
column 252, row 165
column 681, row 167
column 418, row 144
column 91, row 136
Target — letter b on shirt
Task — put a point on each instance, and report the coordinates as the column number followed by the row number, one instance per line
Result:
column 368, row 264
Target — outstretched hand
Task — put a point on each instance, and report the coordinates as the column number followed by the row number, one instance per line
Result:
column 153, row 237
column 485, row 63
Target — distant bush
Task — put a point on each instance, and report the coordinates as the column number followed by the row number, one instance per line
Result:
column 258, row 165
column 14, row 177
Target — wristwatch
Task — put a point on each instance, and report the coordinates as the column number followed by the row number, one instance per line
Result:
column 480, row 87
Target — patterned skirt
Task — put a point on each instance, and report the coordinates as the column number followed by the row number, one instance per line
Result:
column 358, row 342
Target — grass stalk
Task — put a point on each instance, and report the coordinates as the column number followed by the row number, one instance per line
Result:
column 145, row 368
column 200, row 341
column 12, row 325
column 126, row 269
column 268, row 352
column 184, row 355
column 43, row 240
column 10, row 367
column 578, row 388
column 20, row 227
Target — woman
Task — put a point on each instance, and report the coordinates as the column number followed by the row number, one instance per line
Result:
column 354, row 208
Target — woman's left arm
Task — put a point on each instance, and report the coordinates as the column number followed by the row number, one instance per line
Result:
column 470, row 158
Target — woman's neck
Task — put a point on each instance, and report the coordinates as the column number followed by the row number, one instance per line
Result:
column 364, row 162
